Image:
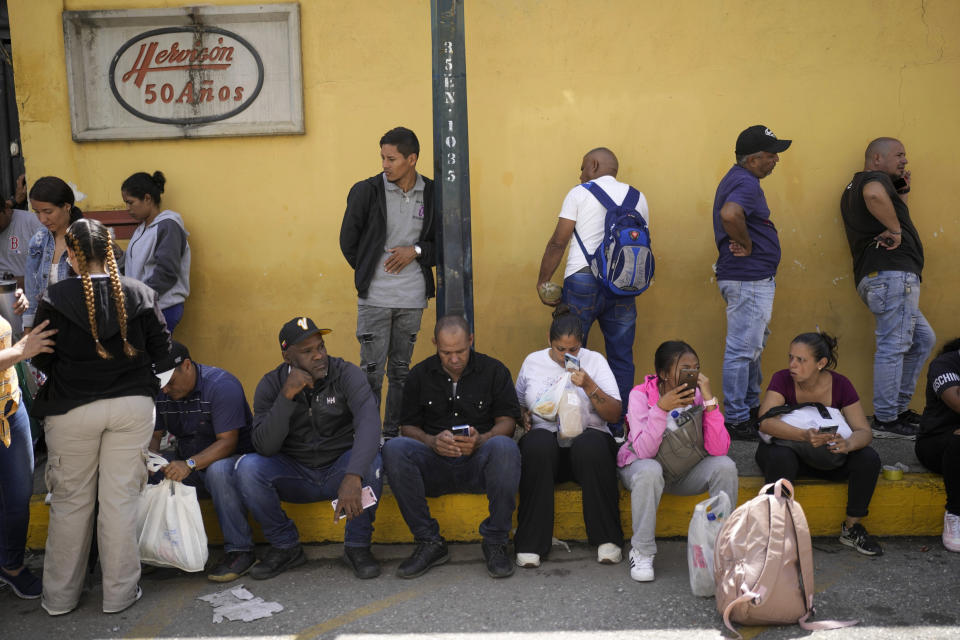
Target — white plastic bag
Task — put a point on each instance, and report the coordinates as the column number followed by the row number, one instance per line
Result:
column 570, row 414
column 548, row 404
column 708, row 517
column 170, row 525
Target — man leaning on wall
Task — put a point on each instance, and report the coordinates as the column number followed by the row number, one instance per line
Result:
column 616, row 316
column 887, row 266
column 387, row 236
column 746, row 267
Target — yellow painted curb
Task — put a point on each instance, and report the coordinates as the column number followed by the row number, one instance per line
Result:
column 909, row 507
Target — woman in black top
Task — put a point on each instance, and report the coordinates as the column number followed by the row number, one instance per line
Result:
column 98, row 404
column 938, row 445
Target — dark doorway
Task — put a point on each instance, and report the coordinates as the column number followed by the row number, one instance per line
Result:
column 11, row 154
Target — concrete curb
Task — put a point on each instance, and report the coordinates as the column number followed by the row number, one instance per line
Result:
column 909, row 507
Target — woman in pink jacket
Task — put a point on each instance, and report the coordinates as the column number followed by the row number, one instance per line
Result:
column 653, row 408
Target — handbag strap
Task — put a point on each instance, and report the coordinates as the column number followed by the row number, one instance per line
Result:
column 784, row 409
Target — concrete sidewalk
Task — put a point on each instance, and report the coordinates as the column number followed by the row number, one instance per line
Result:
column 912, row 592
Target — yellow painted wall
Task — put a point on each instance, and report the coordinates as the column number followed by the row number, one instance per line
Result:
column 666, row 85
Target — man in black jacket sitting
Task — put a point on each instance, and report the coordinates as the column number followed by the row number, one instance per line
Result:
column 316, row 430
column 388, row 237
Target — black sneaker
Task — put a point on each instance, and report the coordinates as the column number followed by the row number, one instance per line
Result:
column 426, row 555
column 499, row 564
column 24, row 584
column 746, row 430
column 276, row 561
column 894, row 429
column 910, row 417
column 858, row 538
column 233, row 565
column 362, row 562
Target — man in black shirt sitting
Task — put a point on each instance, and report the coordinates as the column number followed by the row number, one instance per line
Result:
column 459, row 413
column 316, row 430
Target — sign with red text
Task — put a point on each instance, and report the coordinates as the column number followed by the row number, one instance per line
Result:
column 184, row 73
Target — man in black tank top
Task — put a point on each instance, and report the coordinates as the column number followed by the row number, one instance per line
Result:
column 887, row 266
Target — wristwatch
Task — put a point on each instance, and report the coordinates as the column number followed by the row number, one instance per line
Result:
column 418, row 250
column 191, row 463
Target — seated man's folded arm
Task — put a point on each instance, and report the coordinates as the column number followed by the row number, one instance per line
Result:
column 271, row 416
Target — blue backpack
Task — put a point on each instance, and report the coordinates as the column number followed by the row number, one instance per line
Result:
column 623, row 262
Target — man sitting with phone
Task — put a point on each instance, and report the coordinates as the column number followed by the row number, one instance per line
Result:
column 459, row 413
column 316, row 430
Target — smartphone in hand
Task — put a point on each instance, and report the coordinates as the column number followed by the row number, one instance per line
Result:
column 571, row 362
column 461, row 430
column 690, row 377
column 367, row 500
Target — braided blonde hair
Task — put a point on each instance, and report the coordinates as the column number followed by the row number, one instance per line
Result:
column 99, row 247
column 81, row 257
column 118, row 299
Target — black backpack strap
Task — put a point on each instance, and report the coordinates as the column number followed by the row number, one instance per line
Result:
column 784, row 409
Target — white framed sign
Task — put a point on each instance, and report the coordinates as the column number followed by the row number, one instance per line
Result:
column 184, row 73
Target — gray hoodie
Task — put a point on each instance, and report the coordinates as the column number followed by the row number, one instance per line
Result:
column 159, row 256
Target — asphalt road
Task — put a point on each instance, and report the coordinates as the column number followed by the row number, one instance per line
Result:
column 913, row 592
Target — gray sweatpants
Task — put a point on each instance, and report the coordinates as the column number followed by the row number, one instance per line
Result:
column 644, row 478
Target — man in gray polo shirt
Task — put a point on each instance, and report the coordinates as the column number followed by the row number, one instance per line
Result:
column 387, row 236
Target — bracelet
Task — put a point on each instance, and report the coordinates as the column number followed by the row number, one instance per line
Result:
column 896, row 233
column 712, row 402
column 594, row 392
column 903, row 191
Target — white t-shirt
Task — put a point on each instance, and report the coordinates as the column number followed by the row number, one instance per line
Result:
column 581, row 206
column 539, row 372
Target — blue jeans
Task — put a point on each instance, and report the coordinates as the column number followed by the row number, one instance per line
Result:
column 266, row 480
column 173, row 315
column 749, row 308
column 220, row 481
column 617, row 317
column 904, row 339
column 416, row 472
column 16, row 487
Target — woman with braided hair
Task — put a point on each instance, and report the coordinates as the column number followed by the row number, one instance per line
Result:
column 98, row 405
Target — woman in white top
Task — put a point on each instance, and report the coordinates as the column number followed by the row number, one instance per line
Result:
column 588, row 459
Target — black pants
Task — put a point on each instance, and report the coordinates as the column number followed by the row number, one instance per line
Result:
column 590, row 462
column 941, row 454
column 860, row 471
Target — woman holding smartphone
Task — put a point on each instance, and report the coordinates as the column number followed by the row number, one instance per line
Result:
column 811, row 378
column 588, row 459
column 654, row 407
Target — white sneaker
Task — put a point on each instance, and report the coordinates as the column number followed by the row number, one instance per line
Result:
column 609, row 553
column 951, row 532
column 641, row 566
column 528, row 560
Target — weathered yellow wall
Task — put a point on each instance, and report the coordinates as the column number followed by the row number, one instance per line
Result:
column 666, row 85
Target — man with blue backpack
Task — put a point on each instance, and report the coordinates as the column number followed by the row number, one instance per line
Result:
column 610, row 262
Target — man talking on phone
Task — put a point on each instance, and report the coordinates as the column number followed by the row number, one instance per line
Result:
column 887, row 265
column 749, row 254
column 316, row 430
column 457, row 387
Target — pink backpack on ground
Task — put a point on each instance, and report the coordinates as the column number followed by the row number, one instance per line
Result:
column 763, row 563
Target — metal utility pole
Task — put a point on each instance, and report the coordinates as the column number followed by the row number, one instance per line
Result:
column 451, row 169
